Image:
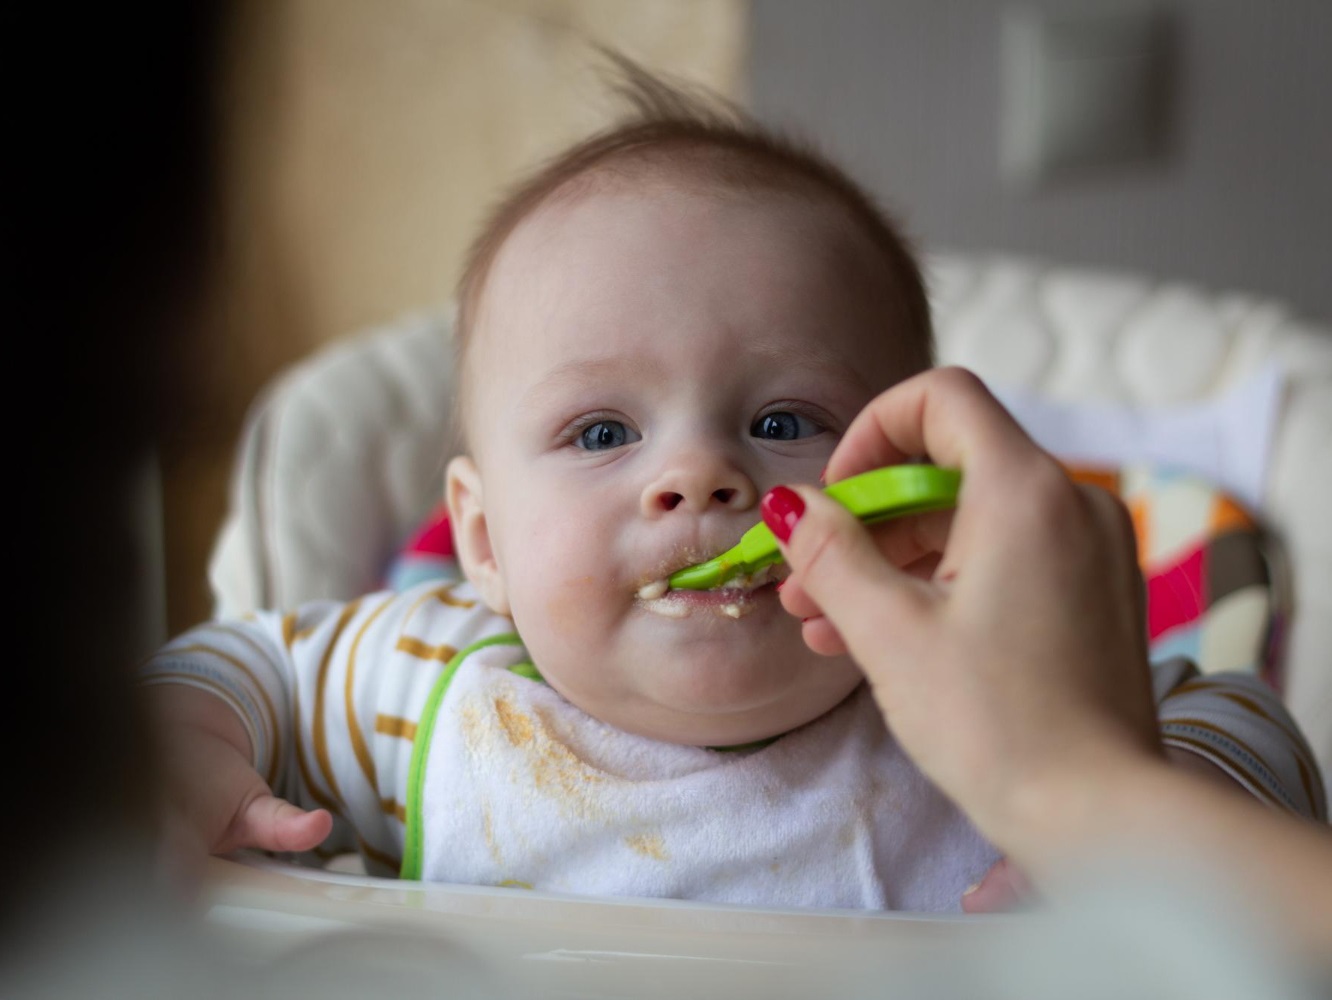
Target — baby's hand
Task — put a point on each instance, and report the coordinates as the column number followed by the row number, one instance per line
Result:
column 215, row 802
column 1004, row 887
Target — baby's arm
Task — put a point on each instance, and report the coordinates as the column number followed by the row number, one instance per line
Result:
column 216, row 801
column 253, row 729
column 224, row 697
column 1235, row 726
column 320, row 706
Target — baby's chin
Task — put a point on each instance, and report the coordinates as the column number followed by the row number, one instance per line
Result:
column 707, row 731
column 719, row 707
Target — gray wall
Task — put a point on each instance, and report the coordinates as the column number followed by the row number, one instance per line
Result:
column 906, row 93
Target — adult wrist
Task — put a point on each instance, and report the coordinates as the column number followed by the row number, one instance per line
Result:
column 1061, row 811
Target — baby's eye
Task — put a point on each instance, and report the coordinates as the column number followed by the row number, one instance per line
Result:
column 784, row 426
column 605, row 434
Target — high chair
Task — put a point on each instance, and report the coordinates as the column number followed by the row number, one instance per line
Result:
column 1125, row 377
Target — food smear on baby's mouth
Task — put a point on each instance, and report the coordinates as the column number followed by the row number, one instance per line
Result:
column 734, row 599
column 651, row 591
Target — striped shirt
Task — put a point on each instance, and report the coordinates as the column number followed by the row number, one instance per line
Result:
column 332, row 693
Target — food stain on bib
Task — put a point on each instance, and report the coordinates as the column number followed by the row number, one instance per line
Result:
column 649, row 845
column 545, row 764
column 517, row 726
column 488, row 829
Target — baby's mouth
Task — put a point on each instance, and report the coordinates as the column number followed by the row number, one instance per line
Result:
column 735, row 598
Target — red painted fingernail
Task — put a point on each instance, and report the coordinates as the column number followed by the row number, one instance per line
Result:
column 782, row 508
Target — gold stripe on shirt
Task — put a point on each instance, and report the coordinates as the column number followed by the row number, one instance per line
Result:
column 395, row 725
column 319, row 730
column 1210, row 752
column 424, row 651
column 1296, row 743
column 415, row 647
column 1303, row 763
column 1306, row 779
column 383, row 858
column 427, row 597
column 289, row 629
column 359, row 747
column 303, row 765
column 445, row 596
column 391, row 807
column 421, row 601
column 1209, row 727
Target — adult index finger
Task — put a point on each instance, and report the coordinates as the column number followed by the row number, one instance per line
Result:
column 946, row 415
column 837, row 564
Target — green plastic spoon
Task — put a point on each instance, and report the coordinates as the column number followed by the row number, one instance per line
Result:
column 872, row 496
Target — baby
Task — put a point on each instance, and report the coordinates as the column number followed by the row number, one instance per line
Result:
column 666, row 321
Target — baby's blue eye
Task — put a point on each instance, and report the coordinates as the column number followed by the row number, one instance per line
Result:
column 783, row 426
column 606, row 434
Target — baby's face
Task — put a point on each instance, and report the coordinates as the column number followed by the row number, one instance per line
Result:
column 645, row 367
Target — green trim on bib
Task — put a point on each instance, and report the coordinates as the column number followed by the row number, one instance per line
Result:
column 527, row 669
column 412, row 847
column 741, row 747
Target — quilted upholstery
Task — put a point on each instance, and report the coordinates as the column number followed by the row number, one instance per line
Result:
column 339, row 459
column 344, row 455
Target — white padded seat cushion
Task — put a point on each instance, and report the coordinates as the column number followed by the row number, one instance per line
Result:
column 344, row 455
column 339, row 461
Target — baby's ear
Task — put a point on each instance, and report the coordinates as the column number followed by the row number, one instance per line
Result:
column 471, row 533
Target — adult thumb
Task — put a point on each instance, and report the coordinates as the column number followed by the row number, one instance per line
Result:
column 834, row 560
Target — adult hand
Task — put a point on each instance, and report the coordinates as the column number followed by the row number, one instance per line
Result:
column 1003, row 641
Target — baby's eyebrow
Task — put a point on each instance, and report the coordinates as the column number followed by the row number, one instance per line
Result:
column 592, row 372
column 812, row 357
column 587, row 372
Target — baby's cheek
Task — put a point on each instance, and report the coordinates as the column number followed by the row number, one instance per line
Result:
column 560, row 616
column 571, row 604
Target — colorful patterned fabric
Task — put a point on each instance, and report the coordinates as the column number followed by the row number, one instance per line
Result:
column 1205, row 561
column 1204, row 558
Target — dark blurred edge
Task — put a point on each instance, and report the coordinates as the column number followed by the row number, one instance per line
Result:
column 110, row 218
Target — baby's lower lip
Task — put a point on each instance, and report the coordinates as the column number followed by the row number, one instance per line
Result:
column 732, row 602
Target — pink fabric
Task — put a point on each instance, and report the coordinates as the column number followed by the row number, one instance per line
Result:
column 434, row 537
column 1177, row 594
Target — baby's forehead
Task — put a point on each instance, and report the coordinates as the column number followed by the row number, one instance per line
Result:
column 599, row 259
column 589, row 210
column 560, row 256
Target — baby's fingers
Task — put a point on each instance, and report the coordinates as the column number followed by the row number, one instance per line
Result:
column 1004, row 887
column 269, row 823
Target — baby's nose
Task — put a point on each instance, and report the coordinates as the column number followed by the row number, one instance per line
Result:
column 670, row 500
column 697, row 484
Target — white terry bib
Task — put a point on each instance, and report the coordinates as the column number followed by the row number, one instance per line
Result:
column 520, row 788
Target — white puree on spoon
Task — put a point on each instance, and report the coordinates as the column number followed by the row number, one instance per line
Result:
column 654, row 598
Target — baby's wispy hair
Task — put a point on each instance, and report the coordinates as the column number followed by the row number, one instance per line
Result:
column 686, row 134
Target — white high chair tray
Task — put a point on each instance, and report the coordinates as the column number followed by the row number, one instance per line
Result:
column 518, row 942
